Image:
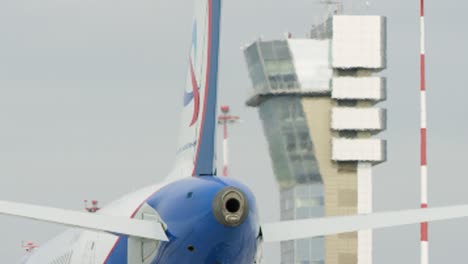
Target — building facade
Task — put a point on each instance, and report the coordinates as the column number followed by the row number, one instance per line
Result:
column 316, row 98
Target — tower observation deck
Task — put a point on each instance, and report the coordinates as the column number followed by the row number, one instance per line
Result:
column 317, row 99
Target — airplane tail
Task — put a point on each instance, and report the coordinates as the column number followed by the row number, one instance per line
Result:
column 196, row 149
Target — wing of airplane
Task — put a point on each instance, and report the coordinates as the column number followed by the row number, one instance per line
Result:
column 299, row 229
column 272, row 232
column 98, row 222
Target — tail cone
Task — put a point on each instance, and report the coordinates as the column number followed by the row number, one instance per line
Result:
column 230, row 207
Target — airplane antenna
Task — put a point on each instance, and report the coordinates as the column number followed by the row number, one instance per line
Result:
column 423, row 141
column 226, row 119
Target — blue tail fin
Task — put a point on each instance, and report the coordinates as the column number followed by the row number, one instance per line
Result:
column 196, row 150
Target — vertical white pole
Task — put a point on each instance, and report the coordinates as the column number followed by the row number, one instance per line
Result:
column 423, row 142
column 364, row 174
column 225, row 151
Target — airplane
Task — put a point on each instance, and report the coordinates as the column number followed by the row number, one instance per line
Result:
column 193, row 216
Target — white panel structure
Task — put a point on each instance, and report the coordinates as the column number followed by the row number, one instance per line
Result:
column 361, row 119
column 311, row 62
column 371, row 150
column 359, row 88
column 365, row 248
column 359, row 42
column 364, row 175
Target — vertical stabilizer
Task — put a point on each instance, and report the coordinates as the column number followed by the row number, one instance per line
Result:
column 196, row 149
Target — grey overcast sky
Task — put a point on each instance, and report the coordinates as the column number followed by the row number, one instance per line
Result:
column 90, row 93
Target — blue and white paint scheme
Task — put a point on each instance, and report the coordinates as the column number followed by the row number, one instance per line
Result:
column 195, row 152
column 183, row 205
column 193, row 216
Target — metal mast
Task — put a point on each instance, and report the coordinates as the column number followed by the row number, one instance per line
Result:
column 225, row 119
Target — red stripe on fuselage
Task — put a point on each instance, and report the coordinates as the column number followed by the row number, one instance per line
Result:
column 132, row 216
column 110, row 252
column 196, row 95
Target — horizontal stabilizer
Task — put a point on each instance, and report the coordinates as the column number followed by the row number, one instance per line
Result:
column 307, row 228
column 113, row 224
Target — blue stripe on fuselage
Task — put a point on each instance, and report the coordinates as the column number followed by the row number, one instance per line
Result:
column 119, row 254
column 204, row 163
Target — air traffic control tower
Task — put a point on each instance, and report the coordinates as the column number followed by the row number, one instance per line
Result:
column 317, row 99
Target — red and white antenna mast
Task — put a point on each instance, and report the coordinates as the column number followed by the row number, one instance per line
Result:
column 94, row 207
column 424, row 180
column 29, row 246
column 225, row 119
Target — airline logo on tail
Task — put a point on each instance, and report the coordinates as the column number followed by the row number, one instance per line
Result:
column 196, row 147
column 193, row 95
